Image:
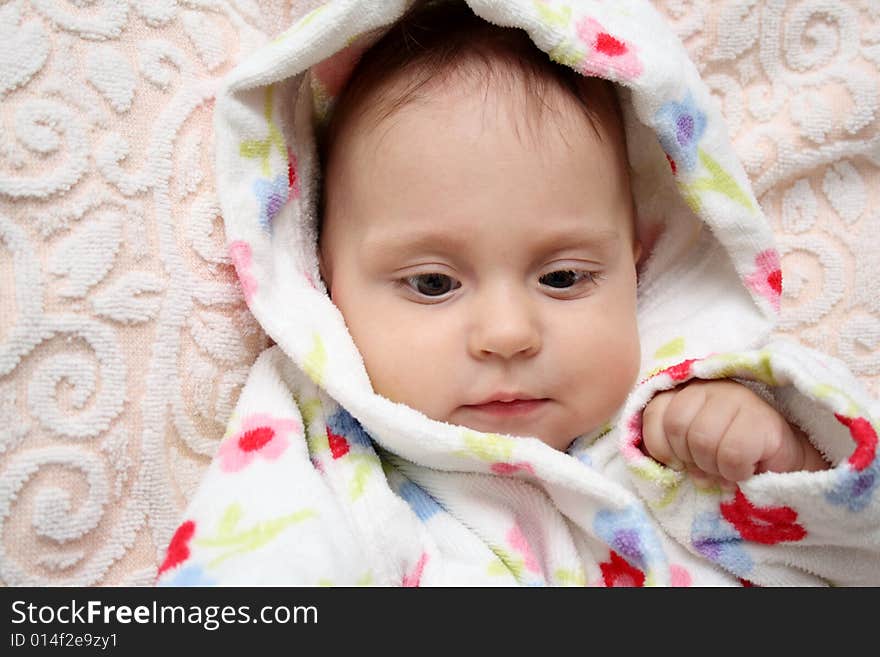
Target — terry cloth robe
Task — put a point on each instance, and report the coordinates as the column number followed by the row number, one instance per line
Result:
column 319, row 480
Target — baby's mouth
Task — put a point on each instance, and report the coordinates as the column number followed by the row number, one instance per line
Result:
column 509, row 408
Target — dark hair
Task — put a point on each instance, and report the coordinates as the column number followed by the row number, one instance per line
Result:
column 439, row 38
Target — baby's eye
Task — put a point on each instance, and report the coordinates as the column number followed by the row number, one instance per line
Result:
column 432, row 285
column 565, row 278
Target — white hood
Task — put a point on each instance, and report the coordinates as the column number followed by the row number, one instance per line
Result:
column 712, row 282
column 320, row 479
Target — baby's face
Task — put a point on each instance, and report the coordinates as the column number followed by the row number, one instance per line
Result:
column 475, row 267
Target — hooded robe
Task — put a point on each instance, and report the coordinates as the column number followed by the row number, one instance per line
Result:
column 319, row 480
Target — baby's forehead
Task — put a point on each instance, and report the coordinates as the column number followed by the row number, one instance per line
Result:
column 533, row 98
column 538, row 91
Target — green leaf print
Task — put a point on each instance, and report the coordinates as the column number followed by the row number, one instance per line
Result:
column 262, row 148
column 718, row 181
column 487, row 446
column 241, row 540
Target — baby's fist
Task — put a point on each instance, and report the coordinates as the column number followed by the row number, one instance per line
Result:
column 722, row 431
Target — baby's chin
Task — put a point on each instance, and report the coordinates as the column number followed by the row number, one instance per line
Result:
column 540, row 422
column 558, row 440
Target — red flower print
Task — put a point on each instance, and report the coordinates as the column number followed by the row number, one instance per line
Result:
column 680, row 371
column 766, row 280
column 767, row 525
column 608, row 45
column 292, row 177
column 260, row 435
column 178, row 548
column 338, row 444
column 634, row 429
column 866, row 441
column 255, row 438
column 618, row 572
column 607, row 54
column 634, row 438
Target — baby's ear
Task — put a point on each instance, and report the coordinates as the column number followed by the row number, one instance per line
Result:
column 639, row 256
column 647, row 233
column 322, row 271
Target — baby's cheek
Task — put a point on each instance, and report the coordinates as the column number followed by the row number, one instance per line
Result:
column 606, row 364
column 405, row 367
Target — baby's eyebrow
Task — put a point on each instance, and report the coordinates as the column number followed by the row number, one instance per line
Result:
column 394, row 243
column 584, row 237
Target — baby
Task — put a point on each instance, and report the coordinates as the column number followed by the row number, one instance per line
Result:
column 465, row 400
column 484, row 300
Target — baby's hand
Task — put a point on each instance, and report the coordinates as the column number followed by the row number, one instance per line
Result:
column 722, row 432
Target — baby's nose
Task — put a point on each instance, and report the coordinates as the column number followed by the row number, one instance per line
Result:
column 505, row 324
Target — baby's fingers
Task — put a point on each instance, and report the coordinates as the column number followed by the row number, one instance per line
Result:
column 741, row 448
column 653, row 434
column 679, row 417
column 706, row 432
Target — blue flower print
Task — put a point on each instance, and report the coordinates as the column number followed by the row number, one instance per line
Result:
column 272, row 195
column 629, row 533
column 718, row 541
column 343, row 424
column 192, row 575
column 421, row 502
column 854, row 489
column 680, row 127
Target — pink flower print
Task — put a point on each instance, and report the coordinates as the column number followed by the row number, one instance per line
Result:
column 678, row 576
column 630, row 448
column 414, row 578
column 517, row 540
column 608, row 55
column 510, row 468
column 240, row 254
column 259, row 435
column 292, row 175
column 766, row 280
